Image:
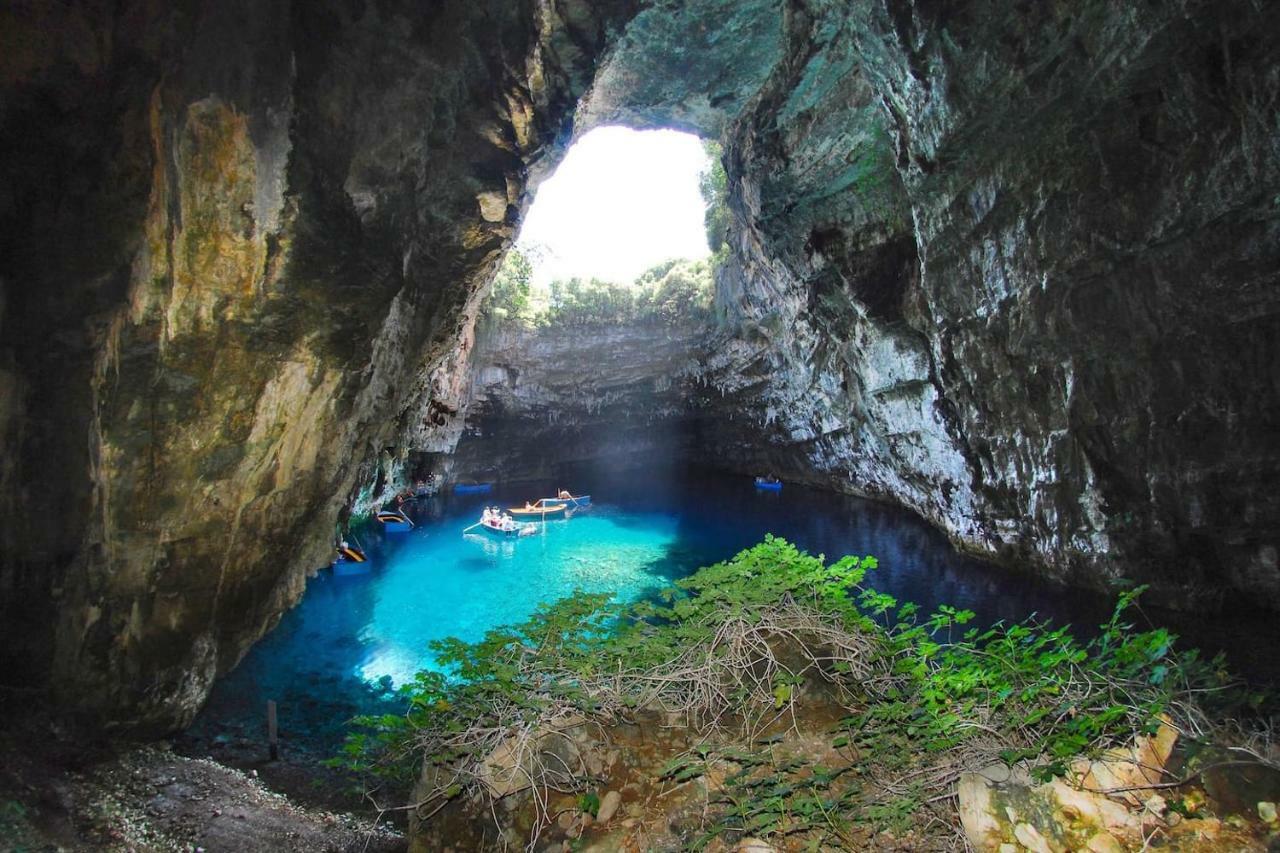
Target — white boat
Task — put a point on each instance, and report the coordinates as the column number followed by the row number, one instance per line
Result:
column 505, row 528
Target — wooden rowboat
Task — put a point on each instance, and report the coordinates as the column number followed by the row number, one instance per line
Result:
column 576, row 500
column 350, row 554
column 496, row 529
column 351, row 561
column 540, row 513
column 394, row 521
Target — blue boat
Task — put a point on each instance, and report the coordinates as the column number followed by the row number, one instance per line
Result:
column 394, row 521
column 768, row 484
column 472, row 488
column 350, row 554
column 571, row 501
column 351, row 561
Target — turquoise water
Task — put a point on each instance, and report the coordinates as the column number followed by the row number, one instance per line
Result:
column 440, row 582
column 344, row 649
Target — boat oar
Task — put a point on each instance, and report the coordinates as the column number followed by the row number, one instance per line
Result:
column 472, row 527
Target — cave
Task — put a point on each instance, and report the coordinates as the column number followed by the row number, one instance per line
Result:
column 1008, row 267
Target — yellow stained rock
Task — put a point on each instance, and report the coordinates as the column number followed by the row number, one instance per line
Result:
column 1104, row 842
column 1031, row 839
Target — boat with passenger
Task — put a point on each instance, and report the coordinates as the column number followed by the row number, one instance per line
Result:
column 769, row 483
column 565, row 499
column 350, row 554
column 350, row 561
column 502, row 525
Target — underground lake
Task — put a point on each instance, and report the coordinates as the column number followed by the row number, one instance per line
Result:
column 354, row 639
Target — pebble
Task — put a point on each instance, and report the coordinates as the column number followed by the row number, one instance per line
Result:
column 608, row 806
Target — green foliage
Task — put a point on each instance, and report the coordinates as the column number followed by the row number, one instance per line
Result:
column 509, row 298
column 1037, row 687
column 713, row 184
column 589, row 803
column 671, row 292
column 933, row 695
column 509, row 678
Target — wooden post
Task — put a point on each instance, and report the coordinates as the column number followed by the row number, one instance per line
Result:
column 271, row 730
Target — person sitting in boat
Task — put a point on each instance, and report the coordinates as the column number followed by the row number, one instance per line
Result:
column 528, row 505
column 564, row 495
column 487, row 516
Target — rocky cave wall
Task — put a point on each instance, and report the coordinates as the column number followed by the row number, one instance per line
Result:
column 1011, row 264
column 545, row 397
column 1063, row 348
column 1015, row 266
column 243, row 244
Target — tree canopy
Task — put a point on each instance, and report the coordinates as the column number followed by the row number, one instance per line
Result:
column 670, row 292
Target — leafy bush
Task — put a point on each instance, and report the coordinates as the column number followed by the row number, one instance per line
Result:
column 736, row 640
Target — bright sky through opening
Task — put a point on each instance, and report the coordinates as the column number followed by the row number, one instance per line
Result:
column 621, row 201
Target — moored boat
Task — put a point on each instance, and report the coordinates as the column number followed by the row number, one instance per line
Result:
column 771, row 484
column 541, row 512
column 351, row 561
column 394, row 521
column 350, row 554
column 566, row 500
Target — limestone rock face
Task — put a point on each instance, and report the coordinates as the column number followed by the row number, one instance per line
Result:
column 242, row 248
column 1016, row 267
column 1096, row 219
column 542, row 397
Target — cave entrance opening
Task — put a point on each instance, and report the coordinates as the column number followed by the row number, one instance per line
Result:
column 586, row 337
column 621, row 201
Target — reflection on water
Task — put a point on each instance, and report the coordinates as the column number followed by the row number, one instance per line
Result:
column 352, row 639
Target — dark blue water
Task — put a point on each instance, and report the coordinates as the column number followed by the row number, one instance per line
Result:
column 353, row 639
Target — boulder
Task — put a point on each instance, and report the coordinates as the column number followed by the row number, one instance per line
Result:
column 1100, row 807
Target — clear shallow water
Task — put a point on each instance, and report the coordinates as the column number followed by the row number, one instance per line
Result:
column 439, row 582
column 352, row 639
